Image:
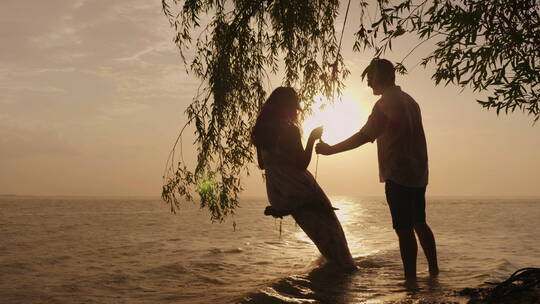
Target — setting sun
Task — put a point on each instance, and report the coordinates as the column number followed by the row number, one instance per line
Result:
column 340, row 119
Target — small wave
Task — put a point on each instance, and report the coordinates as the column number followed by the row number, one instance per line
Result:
column 503, row 264
column 219, row 250
column 272, row 296
column 325, row 284
column 235, row 250
column 174, row 269
column 210, row 280
column 56, row 260
column 209, row 267
column 369, row 262
column 274, row 242
column 16, row 268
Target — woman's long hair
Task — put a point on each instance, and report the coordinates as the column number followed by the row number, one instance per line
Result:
column 280, row 109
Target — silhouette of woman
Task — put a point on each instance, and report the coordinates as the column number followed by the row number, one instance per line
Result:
column 290, row 187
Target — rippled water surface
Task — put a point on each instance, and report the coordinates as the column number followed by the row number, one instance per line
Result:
column 88, row 250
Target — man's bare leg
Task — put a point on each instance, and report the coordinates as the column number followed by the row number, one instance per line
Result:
column 408, row 249
column 427, row 241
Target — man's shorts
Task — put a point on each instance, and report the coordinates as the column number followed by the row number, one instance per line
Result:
column 407, row 205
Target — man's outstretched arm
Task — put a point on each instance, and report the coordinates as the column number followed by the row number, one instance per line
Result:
column 374, row 126
column 350, row 143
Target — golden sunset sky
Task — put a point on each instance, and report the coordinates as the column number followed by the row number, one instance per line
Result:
column 92, row 95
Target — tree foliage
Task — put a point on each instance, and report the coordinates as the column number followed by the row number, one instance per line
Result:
column 234, row 52
column 233, row 46
column 489, row 46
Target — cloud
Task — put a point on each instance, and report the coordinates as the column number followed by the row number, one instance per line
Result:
column 123, row 108
column 126, row 43
column 82, row 69
column 19, row 140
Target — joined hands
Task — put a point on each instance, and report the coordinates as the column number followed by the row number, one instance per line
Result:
column 323, row 148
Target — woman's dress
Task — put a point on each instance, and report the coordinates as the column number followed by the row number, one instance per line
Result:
column 292, row 189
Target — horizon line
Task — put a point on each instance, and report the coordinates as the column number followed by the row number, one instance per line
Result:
column 510, row 196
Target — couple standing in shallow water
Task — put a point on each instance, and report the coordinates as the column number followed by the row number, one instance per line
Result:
column 396, row 123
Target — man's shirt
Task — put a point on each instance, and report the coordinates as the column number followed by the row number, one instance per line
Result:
column 396, row 123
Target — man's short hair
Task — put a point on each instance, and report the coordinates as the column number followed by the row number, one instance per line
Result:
column 381, row 69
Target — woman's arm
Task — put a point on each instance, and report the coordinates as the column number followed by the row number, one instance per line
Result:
column 292, row 145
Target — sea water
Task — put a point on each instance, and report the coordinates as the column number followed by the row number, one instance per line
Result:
column 129, row 250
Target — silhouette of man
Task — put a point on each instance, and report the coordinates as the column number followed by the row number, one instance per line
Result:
column 396, row 123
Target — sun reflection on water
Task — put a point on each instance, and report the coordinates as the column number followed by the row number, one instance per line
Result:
column 351, row 215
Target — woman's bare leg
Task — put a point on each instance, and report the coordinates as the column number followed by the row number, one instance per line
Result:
column 324, row 229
